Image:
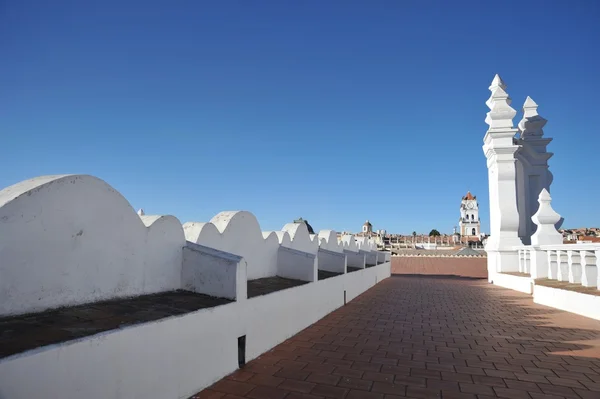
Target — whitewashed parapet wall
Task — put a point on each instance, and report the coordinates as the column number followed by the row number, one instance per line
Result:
column 331, row 256
column 72, row 239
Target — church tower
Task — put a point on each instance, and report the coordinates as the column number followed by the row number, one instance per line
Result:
column 469, row 216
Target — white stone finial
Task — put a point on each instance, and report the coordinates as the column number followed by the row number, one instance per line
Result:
column 498, row 82
column 141, row 212
column 545, row 219
column 532, row 124
column 501, row 113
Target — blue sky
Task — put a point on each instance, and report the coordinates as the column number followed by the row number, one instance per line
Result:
column 336, row 111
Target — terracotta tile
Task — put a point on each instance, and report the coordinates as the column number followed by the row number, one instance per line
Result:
column 489, row 381
column 265, row 380
column 458, row 377
column 264, row 392
column 511, row 393
column 354, row 394
column 565, row 382
column 296, row 386
column 418, row 392
column 355, row 383
column 233, row 387
column 344, row 372
column 382, row 377
column 366, row 366
column 328, row 379
column 434, row 383
column 476, row 389
column 388, row 388
column 293, row 374
column 329, row 391
column 240, row 375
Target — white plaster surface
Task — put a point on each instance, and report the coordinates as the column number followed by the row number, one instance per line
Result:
column 517, row 283
column 331, row 261
column 89, row 245
column 355, row 259
column 177, row 356
column 328, row 240
column 212, row 272
column 297, row 265
column 300, row 238
column 238, row 232
column 570, row 301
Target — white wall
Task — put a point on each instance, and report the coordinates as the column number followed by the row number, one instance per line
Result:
column 331, row 261
column 177, row 356
column 328, row 240
column 296, row 264
column 517, row 283
column 570, row 301
column 213, row 272
column 72, row 239
column 238, row 232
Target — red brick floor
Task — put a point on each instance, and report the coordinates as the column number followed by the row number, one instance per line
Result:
column 428, row 337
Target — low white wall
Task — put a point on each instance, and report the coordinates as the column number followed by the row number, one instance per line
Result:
column 574, row 302
column 177, row 356
column 167, row 359
column 238, row 232
column 355, row 259
column 72, row 239
column 296, row 264
column 213, row 272
column 370, row 257
column 331, row 261
column 328, row 240
column 517, row 283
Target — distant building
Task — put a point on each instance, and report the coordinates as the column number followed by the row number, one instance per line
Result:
column 470, row 225
column 367, row 228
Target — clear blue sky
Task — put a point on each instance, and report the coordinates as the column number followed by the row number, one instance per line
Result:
column 336, row 111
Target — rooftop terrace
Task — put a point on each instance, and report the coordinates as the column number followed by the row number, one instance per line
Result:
column 430, row 337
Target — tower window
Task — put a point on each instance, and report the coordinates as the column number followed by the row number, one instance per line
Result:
column 472, row 217
column 474, row 232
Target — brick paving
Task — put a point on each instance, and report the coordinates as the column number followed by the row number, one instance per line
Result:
column 428, row 337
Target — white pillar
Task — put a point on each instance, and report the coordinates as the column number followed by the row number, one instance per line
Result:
column 499, row 149
column 532, row 167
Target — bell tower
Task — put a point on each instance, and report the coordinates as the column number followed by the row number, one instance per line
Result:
column 470, row 226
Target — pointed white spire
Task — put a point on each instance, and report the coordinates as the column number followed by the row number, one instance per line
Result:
column 532, row 124
column 545, row 219
column 141, row 212
column 501, row 113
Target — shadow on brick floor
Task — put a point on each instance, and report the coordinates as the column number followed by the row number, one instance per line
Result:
column 425, row 337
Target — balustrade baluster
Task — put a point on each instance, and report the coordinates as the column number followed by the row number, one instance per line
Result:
column 553, row 265
column 527, row 261
column 574, row 259
column 589, row 271
column 521, row 262
column 563, row 266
